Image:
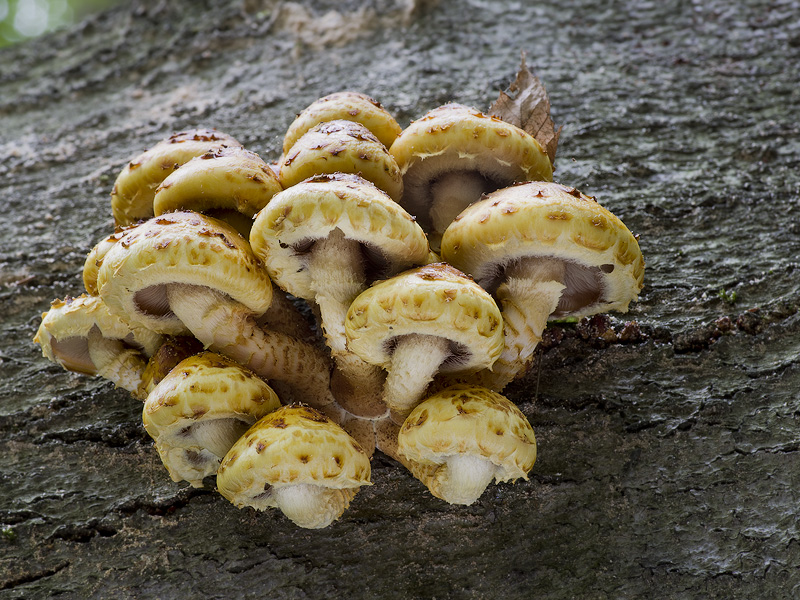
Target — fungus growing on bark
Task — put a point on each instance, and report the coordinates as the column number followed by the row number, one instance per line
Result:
column 428, row 320
column 460, row 439
column 453, row 155
column 543, row 250
column 185, row 272
column 135, row 186
column 82, row 335
column 200, row 409
column 297, row 460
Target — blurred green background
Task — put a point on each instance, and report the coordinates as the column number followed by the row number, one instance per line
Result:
column 24, row 19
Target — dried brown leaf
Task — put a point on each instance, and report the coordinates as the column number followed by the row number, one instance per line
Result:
column 526, row 105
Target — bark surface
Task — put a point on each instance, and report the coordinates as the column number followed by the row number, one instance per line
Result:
column 669, row 438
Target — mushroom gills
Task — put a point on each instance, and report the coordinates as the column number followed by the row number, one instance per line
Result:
column 73, row 354
column 452, row 192
column 153, row 301
column 462, row 478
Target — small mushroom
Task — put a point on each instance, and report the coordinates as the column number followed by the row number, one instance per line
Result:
column 453, row 155
column 460, row 439
column 344, row 147
column 135, row 186
column 424, row 321
column 199, row 410
column 231, row 184
column 82, row 335
column 348, row 106
column 297, row 460
column 324, row 240
column 184, row 272
column 172, row 351
column 543, row 250
column 95, row 258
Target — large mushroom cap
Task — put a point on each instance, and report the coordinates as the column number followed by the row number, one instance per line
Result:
column 603, row 265
column 468, row 429
column 232, row 184
column 341, row 146
column 349, row 106
column 298, row 450
column 458, row 147
column 197, row 412
column 135, row 186
column 286, row 229
column 181, row 247
column 434, row 300
column 64, row 332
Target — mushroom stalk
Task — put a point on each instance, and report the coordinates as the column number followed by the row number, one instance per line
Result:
column 228, row 328
column 337, row 277
column 311, row 506
column 113, row 360
column 462, row 479
column 217, row 435
column 415, row 361
column 453, row 192
column 527, row 298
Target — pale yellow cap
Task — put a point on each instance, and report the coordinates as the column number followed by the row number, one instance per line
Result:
column 135, row 186
column 95, row 258
column 180, row 247
column 604, row 267
column 348, row 106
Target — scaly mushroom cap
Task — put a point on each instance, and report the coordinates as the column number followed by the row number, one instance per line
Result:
column 132, row 197
column 454, row 140
column 181, row 247
column 341, row 146
column 95, row 258
column 435, row 300
column 64, row 331
column 172, row 351
column 231, row 184
column 348, row 106
column 294, row 447
column 287, row 227
column 197, row 412
column 604, row 267
column 465, row 421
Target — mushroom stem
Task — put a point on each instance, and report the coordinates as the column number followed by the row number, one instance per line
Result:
column 453, row 192
column 311, row 506
column 215, row 435
column 227, row 327
column 415, row 361
column 337, row 277
column 462, row 479
column 284, row 317
column 528, row 296
column 115, row 361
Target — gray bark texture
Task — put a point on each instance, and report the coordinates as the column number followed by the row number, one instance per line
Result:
column 669, row 437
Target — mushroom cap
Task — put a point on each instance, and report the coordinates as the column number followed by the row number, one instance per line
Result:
column 180, row 247
column 292, row 445
column 348, row 106
column 435, row 300
column 135, row 186
column 604, row 265
column 341, row 146
column 172, row 351
column 286, row 228
column 454, row 138
column 95, row 258
column 64, row 330
column 232, row 179
column 466, row 419
column 203, row 390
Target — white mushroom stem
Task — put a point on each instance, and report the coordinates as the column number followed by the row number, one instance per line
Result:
column 227, row 327
column 115, row 361
column 337, row 277
column 529, row 295
column 462, row 479
column 284, row 317
column 311, row 506
column 415, row 361
column 453, row 192
column 215, row 435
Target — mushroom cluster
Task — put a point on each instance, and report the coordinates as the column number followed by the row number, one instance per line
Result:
column 281, row 322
